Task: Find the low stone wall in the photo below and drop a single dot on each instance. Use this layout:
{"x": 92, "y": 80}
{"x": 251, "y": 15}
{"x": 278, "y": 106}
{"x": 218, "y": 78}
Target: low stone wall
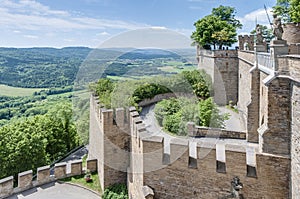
{"x": 198, "y": 131}
{"x": 25, "y": 180}
{"x": 160, "y": 97}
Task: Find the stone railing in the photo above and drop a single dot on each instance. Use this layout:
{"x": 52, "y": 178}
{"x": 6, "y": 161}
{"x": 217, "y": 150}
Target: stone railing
{"x": 198, "y": 131}
{"x": 25, "y": 179}
{"x": 265, "y": 60}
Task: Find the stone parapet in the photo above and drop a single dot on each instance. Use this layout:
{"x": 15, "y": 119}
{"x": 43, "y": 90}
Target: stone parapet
{"x": 43, "y": 174}
{"x": 91, "y": 165}
{"x": 60, "y": 170}
{"x": 6, "y": 186}
{"x": 25, "y": 179}
{"x": 76, "y": 167}
{"x": 197, "y": 131}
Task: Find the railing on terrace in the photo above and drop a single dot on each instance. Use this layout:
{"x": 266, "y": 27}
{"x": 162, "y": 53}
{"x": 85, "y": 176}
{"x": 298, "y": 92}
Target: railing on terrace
{"x": 264, "y": 59}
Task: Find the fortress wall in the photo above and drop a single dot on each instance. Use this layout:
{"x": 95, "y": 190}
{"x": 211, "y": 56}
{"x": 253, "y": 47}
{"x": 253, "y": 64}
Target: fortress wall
{"x": 249, "y": 92}
{"x": 226, "y": 74}
{"x": 290, "y": 63}
{"x": 246, "y": 39}
{"x": 222, "y": 66}
{"x": 276, "y": 140}
{"x": 26, "y": 182}
{"x": 273, "y": 179}
{"x": 253, "y": 107}
{"x": 96, "y": 141}
{"x": 295, "y": 141}
{"x": 109, "y": 143}
{"x": 204, "y": 177}
{"x": 206, "y": 61}
{"x": 244, "y": 91}
{"x": 294, "y": 49}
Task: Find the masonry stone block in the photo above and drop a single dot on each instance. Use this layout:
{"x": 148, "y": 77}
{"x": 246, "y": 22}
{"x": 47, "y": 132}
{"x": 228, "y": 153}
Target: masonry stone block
{"x": 153, "y": 150}
{"x": 120, "y": 117}
{"x": 60, "y": 170}
{"x": 76, "y": 167}
{"x": 6, "y": 186}
{"x": 43, "y": 174}
{"x": 179, "y": 150}
{"x": 25, "y": 179}
{"x": 92, "y": 165}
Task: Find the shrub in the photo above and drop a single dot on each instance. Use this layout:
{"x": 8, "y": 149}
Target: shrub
{"x": 116, "y": 191}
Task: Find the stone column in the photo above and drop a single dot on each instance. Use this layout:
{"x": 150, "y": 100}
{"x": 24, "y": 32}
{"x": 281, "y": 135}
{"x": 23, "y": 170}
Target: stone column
{"x": 260, "y": 47}
{"x": 277, "y": 48}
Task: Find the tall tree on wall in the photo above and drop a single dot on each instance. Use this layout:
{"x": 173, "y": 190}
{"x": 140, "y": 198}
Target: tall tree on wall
{"x": 266, "y": 33}
{"x": 288, "y": 10}
{"x": 218, "y": 29}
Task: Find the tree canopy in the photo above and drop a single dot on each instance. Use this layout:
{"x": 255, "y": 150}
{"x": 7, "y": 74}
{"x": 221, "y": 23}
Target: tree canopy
{"x": 266, "y": 33}
{"x": 217, "y": 29}
{"x": 288, "y": 10}
{"x": 32, "y": 142}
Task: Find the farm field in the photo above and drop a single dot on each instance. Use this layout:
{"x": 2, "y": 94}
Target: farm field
{"x": 17, "y": 91}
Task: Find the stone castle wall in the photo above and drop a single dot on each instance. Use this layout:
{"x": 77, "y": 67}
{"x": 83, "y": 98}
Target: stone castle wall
{"x": 246, "y": 42}
{"x": 25, "y": 179}
{"x": 295, "y": 140}
{"x": 222, "y": 66}
{"x": 183, "y": 175}
{"x": 109, "y": 143}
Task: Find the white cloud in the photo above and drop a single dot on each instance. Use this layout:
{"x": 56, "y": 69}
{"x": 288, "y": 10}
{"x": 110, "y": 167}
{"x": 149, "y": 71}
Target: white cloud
{"x": 69, "y": 40}
{"x": 103, "y": 34}
{"x": 158, "y": 28}
{"x": 31, "y": 36}
{"x": 249, "y": 20}
{"x": 32, "y": 15}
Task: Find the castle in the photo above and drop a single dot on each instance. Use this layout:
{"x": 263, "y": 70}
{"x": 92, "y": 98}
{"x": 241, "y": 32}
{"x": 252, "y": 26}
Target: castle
{"x": 261, "y": 162}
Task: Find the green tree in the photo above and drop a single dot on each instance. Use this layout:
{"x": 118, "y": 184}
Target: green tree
{"x": 22, "y": 147}
{"x": 173, "y": 114}
{"x": 32, "y": 142}
{"x": 103, "y": 89}
{"x": 217, "y": 29}
{"x": 282, "y": 8}
{"x": 200, "y": 82}
{"x": 288, "y": 10}
{"x": 209, "y": 114}
{"x": 227, "y": 13}
{"x": 266, "y": 33}
{"x": 295, "y": 10}
{"x": 166, "y": 107}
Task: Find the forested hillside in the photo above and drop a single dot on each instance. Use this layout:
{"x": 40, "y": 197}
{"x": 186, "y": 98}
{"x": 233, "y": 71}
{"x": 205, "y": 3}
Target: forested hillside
{"x": 50, "y": 67}
{"x": 40, "y": 67}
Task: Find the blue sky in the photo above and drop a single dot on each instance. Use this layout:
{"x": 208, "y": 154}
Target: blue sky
{"x": 59, "y": 23}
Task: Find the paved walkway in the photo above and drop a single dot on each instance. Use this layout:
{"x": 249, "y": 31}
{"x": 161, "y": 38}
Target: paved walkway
{"x": 148, "y": 117}
{"x": 56, "y": 190}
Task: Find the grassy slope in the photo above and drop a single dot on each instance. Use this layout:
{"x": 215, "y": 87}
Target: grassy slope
{"x": 16, "y": 91}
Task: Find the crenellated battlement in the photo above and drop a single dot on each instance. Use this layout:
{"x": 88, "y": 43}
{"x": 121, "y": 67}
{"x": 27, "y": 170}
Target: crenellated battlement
{"x": 246, "y": 42}
{"x": 25, "y": 179}
{"x": 204, "y": 162}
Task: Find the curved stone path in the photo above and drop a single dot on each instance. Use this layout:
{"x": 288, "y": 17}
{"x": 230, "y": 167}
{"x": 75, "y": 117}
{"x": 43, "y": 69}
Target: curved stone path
{"x": 56, "y": 190}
